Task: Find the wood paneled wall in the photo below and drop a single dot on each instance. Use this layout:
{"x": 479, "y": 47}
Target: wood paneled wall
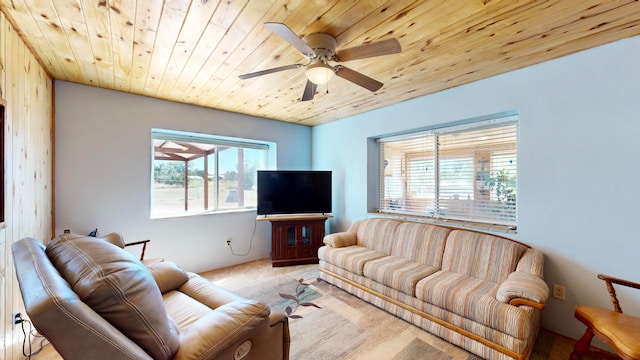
{"x": 26, "y": 91}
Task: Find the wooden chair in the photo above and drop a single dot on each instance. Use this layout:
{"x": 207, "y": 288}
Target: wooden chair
{"x": 620, "y": 331}
{"x": 116, "y": 239}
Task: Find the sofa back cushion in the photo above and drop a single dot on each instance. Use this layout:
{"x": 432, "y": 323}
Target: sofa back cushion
{"x": 376, "y": 233}
{"x": 483, "y": 256}
{"x": 420, "y": 242}
{"x": 119, "y": 288}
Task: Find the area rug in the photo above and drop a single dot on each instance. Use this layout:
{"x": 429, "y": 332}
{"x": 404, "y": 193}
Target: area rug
{"x": 329, "y": 323}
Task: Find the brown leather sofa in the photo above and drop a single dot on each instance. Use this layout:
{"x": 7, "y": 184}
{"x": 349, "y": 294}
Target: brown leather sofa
{"x": 93, "y": 300}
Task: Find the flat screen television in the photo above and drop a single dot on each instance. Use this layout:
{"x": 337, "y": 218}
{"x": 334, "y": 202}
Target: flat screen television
{"x": 294, "y": 192}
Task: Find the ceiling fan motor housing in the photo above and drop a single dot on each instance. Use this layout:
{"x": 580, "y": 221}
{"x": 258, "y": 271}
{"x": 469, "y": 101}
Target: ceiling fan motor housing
{"x": 324, "y": 45}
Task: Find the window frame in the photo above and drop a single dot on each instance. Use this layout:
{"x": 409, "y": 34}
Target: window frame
{"x": 473, "y": 215}
{"x": 209, "y": 145}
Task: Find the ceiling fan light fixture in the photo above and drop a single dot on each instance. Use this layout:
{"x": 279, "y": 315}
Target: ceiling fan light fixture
{"x": 319, "y": 73}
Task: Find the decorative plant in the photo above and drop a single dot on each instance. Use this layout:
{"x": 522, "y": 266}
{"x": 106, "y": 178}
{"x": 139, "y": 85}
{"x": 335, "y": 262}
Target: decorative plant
{"x": 504, "y": 186}
{"x": 300, "y": 290}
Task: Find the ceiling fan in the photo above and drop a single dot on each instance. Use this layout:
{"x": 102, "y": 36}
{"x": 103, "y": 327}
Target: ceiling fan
{"x": 319, "y": 49}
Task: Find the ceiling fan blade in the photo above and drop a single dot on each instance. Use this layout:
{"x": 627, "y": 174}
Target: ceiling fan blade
{"x": 378, "y": 48}
{"x": 358, "y": 78}
{"x": 288, "y": 35}
{"x": 309, "y": 91}
{"x": 269, "y": 71}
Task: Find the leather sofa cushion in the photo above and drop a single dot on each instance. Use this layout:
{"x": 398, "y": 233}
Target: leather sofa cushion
{"x": 115, "y": 238}
{"x": 119, "y": 288}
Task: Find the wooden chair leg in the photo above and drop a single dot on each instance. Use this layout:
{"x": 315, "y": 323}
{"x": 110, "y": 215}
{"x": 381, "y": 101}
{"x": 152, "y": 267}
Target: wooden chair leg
{"x": 582, "y": 346}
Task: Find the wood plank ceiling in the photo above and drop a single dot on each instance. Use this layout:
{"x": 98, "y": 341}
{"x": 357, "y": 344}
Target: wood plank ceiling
{"x": 193, "y": 51}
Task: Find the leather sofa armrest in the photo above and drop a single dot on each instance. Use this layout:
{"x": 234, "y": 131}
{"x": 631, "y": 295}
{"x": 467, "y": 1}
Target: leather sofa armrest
{"x": 168, "y": 275}
{"x": 206, "y": 292}
{"x": 340, "y": 239}
{"x": 228, "y": 326}
{"x": 523, "y": 288}
{"x": 281, "y": 321}
{"x": 277, "y": 317}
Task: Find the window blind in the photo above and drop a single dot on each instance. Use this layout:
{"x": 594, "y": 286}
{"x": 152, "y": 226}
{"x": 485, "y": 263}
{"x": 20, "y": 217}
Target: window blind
{"x": 465, "y": 172}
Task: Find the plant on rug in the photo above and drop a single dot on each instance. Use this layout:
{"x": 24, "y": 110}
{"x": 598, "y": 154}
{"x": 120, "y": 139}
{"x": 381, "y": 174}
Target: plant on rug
{"x": 300, "y": 289}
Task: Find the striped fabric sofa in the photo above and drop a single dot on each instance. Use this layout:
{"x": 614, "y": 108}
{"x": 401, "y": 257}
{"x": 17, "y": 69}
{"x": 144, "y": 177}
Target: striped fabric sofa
{"x": 482, "y": 292}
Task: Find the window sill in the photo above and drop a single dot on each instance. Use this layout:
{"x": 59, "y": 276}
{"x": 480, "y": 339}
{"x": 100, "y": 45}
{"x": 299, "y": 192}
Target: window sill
{"x": 469, "y": 225}
{"x": 211, "y": 212}
{"x": 3, "y": 225}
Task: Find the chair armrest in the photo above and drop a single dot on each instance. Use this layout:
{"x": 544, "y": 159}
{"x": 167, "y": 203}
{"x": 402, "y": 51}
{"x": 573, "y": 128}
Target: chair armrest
{"x": 522, "y": 288}
{"x": 141, "y": 242}
{"x": 227, "y": 326}
{"x": 609, "y": 281}
{"x": 206, "y": 292}
{"x": 137, "y": 242}
{"x": 340, "y": 239}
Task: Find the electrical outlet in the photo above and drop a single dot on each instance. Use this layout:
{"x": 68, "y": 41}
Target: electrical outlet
{"x": 229, "y": 242}
{"x": 17, "y": 319}
{"x": 558, "y": 292}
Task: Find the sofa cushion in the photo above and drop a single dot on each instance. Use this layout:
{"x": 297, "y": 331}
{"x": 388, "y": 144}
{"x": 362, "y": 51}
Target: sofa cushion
{"x": 350, "y": 258}
{"x": 474, "y": 299}
{"x": 532, "y": 262}
{"x": 376, "y": 234}
{"x": 119, "y": 288}
{"x": 484, "y": 256}
{"x": 420, "y": 242}
{"x": 397, "y": 273}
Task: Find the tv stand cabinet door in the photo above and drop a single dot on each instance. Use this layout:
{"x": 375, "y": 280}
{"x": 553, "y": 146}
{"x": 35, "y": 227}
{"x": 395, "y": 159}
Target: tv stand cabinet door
{"x": 296, "y": 241}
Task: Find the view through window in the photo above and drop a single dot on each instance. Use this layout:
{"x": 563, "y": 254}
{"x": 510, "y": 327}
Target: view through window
{"x": 196, "y": 173}
{"x": 464, "y": 172}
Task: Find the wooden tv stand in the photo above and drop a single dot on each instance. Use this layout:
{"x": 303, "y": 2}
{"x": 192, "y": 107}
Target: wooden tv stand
{"x": 295, "y": 239}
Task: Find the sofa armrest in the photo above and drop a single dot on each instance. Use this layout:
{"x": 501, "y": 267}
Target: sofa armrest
{"x": 168, "y": 275}
{"x": 340, "y": 239}
{"x": 206, "y": 292}
{"x": 523, "y": 288}
{"x": 228, "y": 326}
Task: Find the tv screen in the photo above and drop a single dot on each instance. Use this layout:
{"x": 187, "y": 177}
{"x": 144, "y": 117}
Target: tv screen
{"x": 294, "y": 192}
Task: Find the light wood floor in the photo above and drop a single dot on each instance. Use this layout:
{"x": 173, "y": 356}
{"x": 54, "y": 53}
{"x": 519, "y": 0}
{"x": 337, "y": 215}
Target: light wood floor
{"x": 562, "y": 346}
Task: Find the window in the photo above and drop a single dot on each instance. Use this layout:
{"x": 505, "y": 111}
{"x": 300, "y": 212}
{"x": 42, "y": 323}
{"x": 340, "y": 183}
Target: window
{"x": 196, "y": 173}
{"x": 465, "y": 172}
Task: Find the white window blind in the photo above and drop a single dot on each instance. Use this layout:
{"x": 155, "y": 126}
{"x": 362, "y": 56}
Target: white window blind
{"x": 466, "y": 172}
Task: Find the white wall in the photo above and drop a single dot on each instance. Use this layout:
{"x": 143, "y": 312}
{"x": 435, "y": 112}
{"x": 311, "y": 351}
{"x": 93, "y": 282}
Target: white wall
{"x": 103, "y": 164}
{"x": 578, "y": 158}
